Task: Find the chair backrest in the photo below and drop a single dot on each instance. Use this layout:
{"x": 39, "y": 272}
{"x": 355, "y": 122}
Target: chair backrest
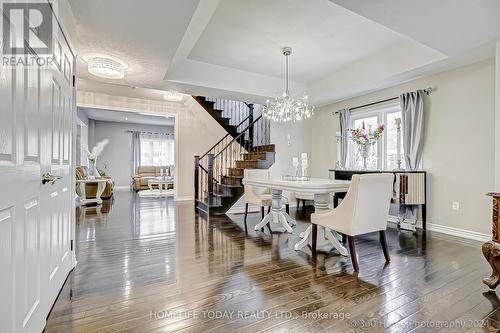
{"x": 255, "y": 174}
{"x": 81, "y": 172}
{"x": 145, "y": 170}
{"x": 370, "y": 198}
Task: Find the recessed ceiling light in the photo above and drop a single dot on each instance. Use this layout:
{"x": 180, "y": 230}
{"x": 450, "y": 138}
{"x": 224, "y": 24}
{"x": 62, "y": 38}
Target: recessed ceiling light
{"x": 172, "y": 96}
{"x": 106, "y": 68}
{"x": 126, "y": 118}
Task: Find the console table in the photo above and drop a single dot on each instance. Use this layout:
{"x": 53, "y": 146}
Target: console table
{"x": 410, "y": 187}
{"x": 101, "y": 184}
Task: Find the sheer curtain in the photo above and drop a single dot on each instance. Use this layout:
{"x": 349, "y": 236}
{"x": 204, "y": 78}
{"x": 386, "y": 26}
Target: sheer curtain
{"x": 157, "y": 149}
{"x": 136, "y": 152}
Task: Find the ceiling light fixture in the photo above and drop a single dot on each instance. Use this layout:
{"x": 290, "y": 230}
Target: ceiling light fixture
{"x": 155, "y": 114}
{"x": 172, "y": 96}
{"x": 106, "y": 68}
{"x": 284, "y": 108}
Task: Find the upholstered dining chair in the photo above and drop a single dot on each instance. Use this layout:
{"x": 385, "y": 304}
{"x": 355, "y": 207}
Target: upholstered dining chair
{"x": 259, "y": 196}
{"x": 364, "y": 209}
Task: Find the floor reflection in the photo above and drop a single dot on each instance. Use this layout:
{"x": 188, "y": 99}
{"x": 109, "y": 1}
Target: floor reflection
{"x": 138, "y": 256}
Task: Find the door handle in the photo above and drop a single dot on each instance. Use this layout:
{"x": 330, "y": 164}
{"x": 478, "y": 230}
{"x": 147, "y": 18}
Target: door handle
{"x": 48, "y": 178}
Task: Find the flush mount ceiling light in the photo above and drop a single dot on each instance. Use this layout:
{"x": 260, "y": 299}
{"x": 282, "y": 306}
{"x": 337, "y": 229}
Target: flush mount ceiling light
{"x": 172, "y": 96}
{"x": 284, "y": 108}
{"x": 106, "y": 68}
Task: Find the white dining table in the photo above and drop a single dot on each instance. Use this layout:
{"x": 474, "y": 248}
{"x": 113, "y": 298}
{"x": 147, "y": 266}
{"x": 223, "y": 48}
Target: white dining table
{"x": 320, "y": 188}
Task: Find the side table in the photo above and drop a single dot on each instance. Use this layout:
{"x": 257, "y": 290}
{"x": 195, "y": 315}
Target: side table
{"x": 491, "y": 249}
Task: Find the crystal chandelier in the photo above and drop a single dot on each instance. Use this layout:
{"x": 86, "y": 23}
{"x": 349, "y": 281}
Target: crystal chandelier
{"x": 284, "y": 108}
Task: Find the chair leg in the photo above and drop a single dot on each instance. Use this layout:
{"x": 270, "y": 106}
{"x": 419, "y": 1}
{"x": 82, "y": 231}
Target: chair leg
{"x": 383, "y": 242}
{"x": 344, "y": 238}
{"x": 352, "y": 250}
{"x": 314, "y": 236}
{"x": 246, "y": 214}
{"x": 269, "y": 209}
{"x": 262, "y": 214}
{"x": 287, "y": 209}
{"x": 304, "y": 205}
{"x": 298, "y": 204}
{"x": 269, "y": 227}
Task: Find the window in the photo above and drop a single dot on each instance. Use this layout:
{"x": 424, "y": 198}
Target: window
{"x": 384, "y": 154}
{"x": 157, "y": 149}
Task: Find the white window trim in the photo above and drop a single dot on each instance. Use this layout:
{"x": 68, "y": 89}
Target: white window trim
{"x": 381, "y": 111}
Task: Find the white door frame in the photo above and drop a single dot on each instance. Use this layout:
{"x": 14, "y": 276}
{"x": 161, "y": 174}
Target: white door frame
{"x": 176, "y": 134}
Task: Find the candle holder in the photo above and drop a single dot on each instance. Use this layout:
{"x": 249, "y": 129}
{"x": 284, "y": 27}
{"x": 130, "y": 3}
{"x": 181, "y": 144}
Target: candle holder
{"x": 398, "y": 144}
{"x": 295, "y": 164}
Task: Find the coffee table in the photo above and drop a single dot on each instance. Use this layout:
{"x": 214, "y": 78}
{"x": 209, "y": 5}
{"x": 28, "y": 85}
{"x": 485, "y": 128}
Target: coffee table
{"x": 161, "y": 182}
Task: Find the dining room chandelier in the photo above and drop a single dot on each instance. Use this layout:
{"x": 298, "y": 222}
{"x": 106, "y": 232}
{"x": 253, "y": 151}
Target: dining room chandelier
{"x": 284, "y": 108}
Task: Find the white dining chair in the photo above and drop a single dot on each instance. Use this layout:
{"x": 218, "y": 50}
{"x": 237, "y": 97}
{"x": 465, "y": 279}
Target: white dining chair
{"x": 259, "y": 196}
{"x": 364, "y": 209}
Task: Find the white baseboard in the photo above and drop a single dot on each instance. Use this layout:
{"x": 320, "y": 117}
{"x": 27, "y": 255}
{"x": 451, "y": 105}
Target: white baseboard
{"x": 184, "y": 198}
{"x": 121, "y": 188}
{"x": 459, "y": 232}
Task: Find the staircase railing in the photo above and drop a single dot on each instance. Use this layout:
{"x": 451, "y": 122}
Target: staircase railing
{"x": 236, "y": 111}
{"x": 218, "y": 162}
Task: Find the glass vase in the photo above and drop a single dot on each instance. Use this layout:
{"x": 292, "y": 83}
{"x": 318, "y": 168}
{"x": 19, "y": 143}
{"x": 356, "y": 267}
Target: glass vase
{"x": 364, "y": 152}
{"x": 93, "y": 173}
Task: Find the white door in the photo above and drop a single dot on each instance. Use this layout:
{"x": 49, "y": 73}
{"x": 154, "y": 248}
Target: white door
{"x": 36, "y": 220}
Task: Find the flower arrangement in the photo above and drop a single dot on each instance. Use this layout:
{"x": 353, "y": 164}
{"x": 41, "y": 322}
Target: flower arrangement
{"x": 364, "y": 138}
{"x": 104, "y": 171}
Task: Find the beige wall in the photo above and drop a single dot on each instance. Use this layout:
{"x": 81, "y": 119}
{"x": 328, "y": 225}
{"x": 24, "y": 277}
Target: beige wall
{"x": 300, "y": 142}
{"x": 458, "y": 145}
{"x": 196, "y": 131}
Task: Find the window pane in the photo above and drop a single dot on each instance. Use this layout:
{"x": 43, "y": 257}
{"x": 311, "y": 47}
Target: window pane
{"x": 157, "y": 150}
{"x": 391, "y": 146}
{"x": 357, "y": 160}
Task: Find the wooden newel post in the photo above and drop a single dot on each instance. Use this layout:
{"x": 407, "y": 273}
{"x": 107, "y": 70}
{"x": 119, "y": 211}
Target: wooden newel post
{"x": 491, "y": 249}
{"x": 250, "y": 120}
{"x": 210, "y": 169}
{"x": 196, "y": 177}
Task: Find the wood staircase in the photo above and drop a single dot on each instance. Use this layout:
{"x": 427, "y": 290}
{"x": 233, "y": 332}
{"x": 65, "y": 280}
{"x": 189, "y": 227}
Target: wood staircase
{"x": 219, "y": 172}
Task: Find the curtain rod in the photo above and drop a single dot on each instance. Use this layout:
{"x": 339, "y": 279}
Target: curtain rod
{"x": 129, "y": 131}
{"x": 426, "y": 90}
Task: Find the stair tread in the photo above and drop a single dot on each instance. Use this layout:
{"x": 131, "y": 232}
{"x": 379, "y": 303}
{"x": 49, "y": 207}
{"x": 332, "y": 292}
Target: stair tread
{"x": 231, "y": 186}
{"x": 222, "y": 195}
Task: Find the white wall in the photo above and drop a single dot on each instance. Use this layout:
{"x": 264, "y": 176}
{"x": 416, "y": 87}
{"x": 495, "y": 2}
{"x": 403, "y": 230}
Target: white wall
{"x": 497, "y": 118}
{"x": 458, "y": 145}
{"x": 300, "y": 142}
{"x": 197, "y": 131}
{"x": 118, "y": 152}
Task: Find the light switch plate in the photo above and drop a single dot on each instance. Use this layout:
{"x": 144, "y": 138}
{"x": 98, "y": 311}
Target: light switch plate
{"x": 455, "y": 205}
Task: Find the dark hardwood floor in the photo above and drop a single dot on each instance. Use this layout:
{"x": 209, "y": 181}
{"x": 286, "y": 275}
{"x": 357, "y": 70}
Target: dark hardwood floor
{"x": 149, "y": 265}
